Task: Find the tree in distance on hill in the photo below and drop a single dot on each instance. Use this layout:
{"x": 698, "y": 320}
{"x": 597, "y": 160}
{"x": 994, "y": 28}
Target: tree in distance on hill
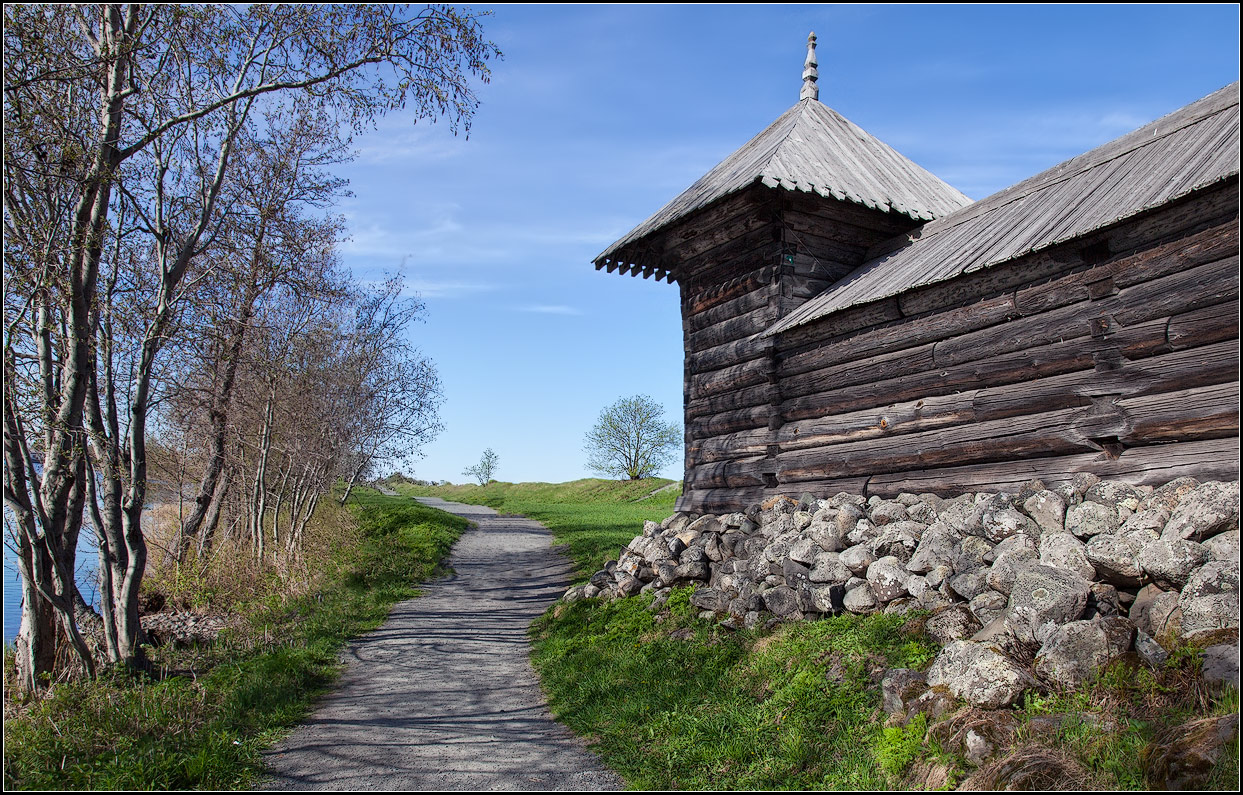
{"x": 484, "y": 470}
{"x": 632, "y": 439}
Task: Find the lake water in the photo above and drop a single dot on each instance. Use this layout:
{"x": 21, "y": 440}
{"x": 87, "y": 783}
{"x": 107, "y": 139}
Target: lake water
{"x": 87, "y": 561}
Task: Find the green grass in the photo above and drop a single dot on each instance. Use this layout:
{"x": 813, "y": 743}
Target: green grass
{"x": 594, "y": 518}
{"x": 685, "y": 704}
{"x": 206, "y": 731}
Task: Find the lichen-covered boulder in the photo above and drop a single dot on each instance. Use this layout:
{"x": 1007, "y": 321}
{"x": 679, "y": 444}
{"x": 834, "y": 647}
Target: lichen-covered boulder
{"x": 1170, "y": 561}
{"x": 1209, "y": 509}
{"x": 887, "y": 576}
{"x": 1074, "y": 653}
{"x": 979, "y": 674}
{"x": 1043, "y": 598}
{"x": 1065, "y": 551}
{"x": 953, "y": 623}
{"x": 1048, "y": 510}
{"x": 1210, "y": 599}
{"x": 1089, "y": 519}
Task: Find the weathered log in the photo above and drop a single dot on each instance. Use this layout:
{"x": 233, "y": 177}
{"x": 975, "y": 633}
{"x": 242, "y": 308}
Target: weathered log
{"x": 1208, "y": 245}
{"x": 1185, "y": 369}
{"x": 730, "y": 421}
{"x": 1203, "y": 326}
{"x": 1080, "y": 353}
{"x": 1213, "y": 459}
{"x": 743, "y": 444}
{"x": 735, "y": 328}
{"x": 741, "y": 473}
{"x": 729, "y": 353}
{"x": 899, "y": 336}
{"x": 729, "y": 379}
{"x": 762, "y": 395}
{"x": 757, "y": 299}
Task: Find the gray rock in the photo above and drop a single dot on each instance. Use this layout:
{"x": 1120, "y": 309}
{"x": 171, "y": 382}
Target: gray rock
{"x": 1149, "y": 650}
{"x": 1169, "y": 495}
{"x": 1113, "y": 558}
{"x": 953, "y": 623}
{"x": 1156, "y": 612}
{"x": 1075, "y": 652}
{"x": 1002, "y": 524}
{"x": 936, "y": 547}
{"x": 1089, "y": 519}
{"x": 979, "y": 674}
{"x": 886, "y": 511}
{"x": 782, "y": 601}
{"x": 794, "y": 572}
{"x": 1114, "y": 493}
{"x": 970, "y": 585}
{"x": 1210, "y": 599}
{"x": 860, "y": 600}
{"x": 1209, "y": 509}
{"x": 988, "y": 606}
{"x": 629, "y": 586}
{"x": 712, "y": 599}
{"x": 887, "y": 576}
{"x": 1224, "y": 546}
{"x": 857, "y": 559}
{"x": 899, "y": 688}
{"x": 1066, "y": 551}
{"x": 1044, "y": 598}
{"x": 1220, "y": 667}
{"x": 1048, "y": 510}
{"x": 1170, "y": 561}
{"x": 828, "y": 567}
{"x": 828, "y": 598}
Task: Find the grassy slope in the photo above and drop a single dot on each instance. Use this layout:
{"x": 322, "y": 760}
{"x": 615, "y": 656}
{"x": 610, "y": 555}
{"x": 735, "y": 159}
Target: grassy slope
{"x": 593, "y": 518}
{"x": 674, "y": 702}
{"x": 206, "y": 731}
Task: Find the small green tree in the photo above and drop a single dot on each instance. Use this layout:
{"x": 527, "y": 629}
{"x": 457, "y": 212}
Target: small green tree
{"x": 484, "y": 470}
{"x": 632, "y": 439}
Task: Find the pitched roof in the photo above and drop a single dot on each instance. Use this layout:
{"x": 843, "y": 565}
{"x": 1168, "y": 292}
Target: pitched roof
{"x": 1189, "y": 149}
{"x": 811, "y": 148}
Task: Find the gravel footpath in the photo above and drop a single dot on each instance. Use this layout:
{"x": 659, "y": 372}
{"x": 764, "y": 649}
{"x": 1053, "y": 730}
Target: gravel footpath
{"x": 443, "y": 696}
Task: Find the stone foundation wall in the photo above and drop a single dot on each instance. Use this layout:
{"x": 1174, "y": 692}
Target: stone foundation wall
{"x": 1039, "y": 587}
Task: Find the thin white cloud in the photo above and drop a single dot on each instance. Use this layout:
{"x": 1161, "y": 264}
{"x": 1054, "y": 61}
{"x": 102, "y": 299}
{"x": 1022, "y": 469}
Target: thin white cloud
{"x": 549, "y": 309}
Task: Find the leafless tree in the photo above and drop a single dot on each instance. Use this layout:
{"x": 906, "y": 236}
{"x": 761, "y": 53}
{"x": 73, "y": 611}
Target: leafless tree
{"x": 123, "y": 124}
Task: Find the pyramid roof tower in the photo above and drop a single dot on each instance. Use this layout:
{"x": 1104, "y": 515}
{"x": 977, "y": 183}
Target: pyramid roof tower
{"x": 810, "y": 148}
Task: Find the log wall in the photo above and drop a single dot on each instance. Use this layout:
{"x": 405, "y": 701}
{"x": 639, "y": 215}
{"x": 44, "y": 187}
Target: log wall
{"x": 1115, "y": 354}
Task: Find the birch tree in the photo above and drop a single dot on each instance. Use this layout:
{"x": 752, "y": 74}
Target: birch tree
{"x": 122, "y": 127}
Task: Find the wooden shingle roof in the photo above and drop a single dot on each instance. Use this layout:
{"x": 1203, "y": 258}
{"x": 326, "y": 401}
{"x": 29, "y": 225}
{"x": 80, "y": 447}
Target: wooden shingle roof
{"x": 810, "y": 148}
{"x": 1189, "y": 149}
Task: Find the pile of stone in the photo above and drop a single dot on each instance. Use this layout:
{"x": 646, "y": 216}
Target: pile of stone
{"x": 1048, "y": 582}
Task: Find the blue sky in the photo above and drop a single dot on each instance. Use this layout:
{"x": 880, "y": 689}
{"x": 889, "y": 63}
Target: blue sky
{"x": 598, "y": 115}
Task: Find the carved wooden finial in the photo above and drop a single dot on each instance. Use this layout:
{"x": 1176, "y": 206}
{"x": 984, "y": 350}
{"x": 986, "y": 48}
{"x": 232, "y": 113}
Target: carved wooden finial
{"x": 810, "y": 73}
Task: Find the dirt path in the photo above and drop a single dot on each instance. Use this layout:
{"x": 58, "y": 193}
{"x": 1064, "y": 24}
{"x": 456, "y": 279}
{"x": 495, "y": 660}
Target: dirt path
{"x": 442, "y": 696}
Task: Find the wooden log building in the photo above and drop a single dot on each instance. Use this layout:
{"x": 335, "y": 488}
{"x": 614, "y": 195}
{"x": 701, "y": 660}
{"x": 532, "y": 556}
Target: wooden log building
{"x": 852, "y": 323}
